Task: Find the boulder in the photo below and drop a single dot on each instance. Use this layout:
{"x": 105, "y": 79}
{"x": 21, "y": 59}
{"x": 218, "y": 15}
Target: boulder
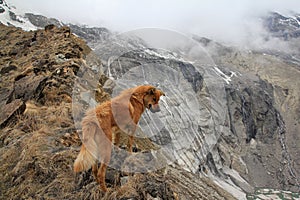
{"x": 6, "y": 95}
{"x": 30, "y": 87}
{"x": 2, "y": 10}
{"x": 109, "y": 86}
{"x": 8, "y": 68}
{"x": 9, "y": 111}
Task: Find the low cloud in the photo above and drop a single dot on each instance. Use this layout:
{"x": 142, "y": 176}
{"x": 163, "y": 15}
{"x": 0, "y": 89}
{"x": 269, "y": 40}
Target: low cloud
{"x": 232, "y": 21}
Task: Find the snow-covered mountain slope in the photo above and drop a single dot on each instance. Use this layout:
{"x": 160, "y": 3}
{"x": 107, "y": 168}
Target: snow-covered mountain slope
{"x": 283, "y": 26}
{"x": 10, "y": 16}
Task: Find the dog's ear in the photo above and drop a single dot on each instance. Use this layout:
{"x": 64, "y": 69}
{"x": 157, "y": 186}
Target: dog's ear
{"x": 162, "y": 93}
{"x": 151, "y": 91}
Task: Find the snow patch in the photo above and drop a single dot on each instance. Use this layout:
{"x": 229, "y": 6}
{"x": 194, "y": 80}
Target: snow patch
{"x": 168, "y": 55}
{"x": 225, "y": 77}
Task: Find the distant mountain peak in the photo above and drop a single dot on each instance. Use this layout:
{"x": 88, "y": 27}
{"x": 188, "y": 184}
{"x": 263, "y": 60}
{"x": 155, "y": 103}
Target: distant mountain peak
{"x": 283, "y": 26}
{"x": 10, "y": 16}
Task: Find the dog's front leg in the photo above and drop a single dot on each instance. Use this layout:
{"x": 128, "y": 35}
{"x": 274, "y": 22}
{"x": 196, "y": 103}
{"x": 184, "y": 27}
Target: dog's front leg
{"x": 130, "y": 142}
{"x": 132, "y": 129}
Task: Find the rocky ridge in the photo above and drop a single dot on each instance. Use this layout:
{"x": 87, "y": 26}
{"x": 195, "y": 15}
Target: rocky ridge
{"x": 10, "y": 16}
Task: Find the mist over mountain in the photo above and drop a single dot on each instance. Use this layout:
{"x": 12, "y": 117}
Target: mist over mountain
{"x": 239, "y": 23}
{"x": 230, "y": 21}
{"x": 228, "y": 126}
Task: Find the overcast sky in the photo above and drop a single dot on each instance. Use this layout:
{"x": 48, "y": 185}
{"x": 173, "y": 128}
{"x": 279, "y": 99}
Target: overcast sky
{"x": 216, "y": 19}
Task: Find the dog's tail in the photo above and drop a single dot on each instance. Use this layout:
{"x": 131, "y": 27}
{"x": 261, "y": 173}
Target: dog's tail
{"x": 89, "y": 150}
{"x": 84, "y": 160}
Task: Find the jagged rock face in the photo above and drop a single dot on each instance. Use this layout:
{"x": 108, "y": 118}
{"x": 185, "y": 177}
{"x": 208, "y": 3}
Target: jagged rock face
{"x": 42, "y": 21}
{"x": 255, "y": 109}
{"x": 256, "y": 127}
{"x": 89, "y": 34}
{"x": 29, "y": 21}
{"x": 283, "y": 27}
{"x": 274, "y": 160}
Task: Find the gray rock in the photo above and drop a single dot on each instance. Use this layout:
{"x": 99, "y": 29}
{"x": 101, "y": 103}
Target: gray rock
{"x": 2, "y": 10}
{"x": 6, "y": 95}
{"x": 9, "y": 111}
{"x": 14, "y": 17}
{"x": 124, "y": 180}
{"x": 109, "y": 86}
{"x": 29, "y": 87}
{"x": 8, "y": 68}
{"x": 41, "y": 21}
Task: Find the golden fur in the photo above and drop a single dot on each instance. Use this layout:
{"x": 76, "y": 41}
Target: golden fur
{"x": 122, "y": 112}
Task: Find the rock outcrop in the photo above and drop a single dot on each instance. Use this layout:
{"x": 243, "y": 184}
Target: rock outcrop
{"x": 282, "y": 26}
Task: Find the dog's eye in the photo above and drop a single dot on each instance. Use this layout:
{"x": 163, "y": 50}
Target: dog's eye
{"x": 154, "y": 99}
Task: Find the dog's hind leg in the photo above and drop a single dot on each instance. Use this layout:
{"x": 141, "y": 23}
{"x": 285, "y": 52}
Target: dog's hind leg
{"x": 105, "y": 146}
{"x": 117, "y": 138}
{"x": 101, "y": 175}
{"x": 95, "y": 170}
{"x": 102, "y": 169}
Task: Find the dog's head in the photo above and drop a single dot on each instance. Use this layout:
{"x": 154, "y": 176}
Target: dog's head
{"x": 151, "y": 99}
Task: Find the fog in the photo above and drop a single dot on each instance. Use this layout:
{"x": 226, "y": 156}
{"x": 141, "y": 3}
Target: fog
{"x": 234, "y": 21}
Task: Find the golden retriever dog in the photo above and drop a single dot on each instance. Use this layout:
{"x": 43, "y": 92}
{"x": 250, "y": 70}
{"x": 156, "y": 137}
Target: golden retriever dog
{"x": 120, "y": 113}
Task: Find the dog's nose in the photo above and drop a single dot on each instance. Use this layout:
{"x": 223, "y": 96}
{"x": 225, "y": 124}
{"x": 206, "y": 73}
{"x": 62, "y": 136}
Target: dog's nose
{"x": 155, "y": 108}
